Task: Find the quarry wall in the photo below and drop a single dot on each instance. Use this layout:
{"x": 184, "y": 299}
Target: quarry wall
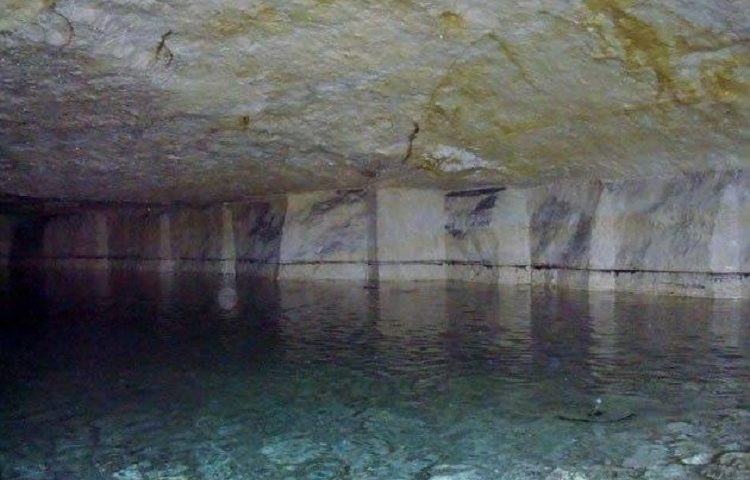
{"x": 684, "y": 235}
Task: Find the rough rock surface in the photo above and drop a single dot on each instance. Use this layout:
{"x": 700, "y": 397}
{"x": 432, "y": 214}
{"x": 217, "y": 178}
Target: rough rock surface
{"x": 7, "y": 227}
{"x": 325, "y": 226}
{"x": 488, "y": 227}
{"x": 136, "y": 234}
{"x": 325, "y": 235}
{"x": 686, "y": 235}
{"x": 81, "y": 235}
{"x": 257, "y": 230}
{"x": 196, "y": 234}
{"x": 217, "y": 100}
{"x": 410, "y": 234}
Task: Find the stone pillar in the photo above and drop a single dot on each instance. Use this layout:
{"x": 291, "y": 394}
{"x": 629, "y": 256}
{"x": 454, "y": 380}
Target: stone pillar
{"x": 410, "y": 234}
{"x": 605, "y": 241}
{"x": 728, "y": 239}
{"x": 102, "y": 280}
{"x": 512, "y": 223}
{"x": 101, "y": 233}
{"x": 228, "y": 249}
{"x": 372, "y": 237}
{"x": 7, "y": 226}
{"x": 166, "y": 263}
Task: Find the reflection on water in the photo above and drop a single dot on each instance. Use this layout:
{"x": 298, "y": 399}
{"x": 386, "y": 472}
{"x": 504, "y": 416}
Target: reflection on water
{"x": 146, "y": 376}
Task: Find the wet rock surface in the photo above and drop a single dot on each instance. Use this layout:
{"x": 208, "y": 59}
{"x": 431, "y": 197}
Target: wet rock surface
{"x": 217, "y": 100}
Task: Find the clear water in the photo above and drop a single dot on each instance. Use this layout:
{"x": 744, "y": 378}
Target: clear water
{"x": 148, "y": 376}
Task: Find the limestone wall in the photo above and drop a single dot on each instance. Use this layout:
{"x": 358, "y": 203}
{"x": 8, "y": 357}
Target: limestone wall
{"x": 686, "y": 225}
{"x": 487, "y": 236}
{"x": 154, "y": 238}
{"x": 561, "y": 218}
{"x": 325, "y": 236}
{"x": 135, "y": 234}
{"x": 684, "y": 235}
{"x": 81, "y": 238}
{"x": 7, "y": 226}
{"x": 410, "y": 234}
{"x": 256, "y": 228}
{"x": 195, "y": 234}
{"x": 688, "y": 234}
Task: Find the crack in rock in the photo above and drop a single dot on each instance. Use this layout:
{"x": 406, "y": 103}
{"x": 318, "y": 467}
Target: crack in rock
{"x": 410, "y": 147}
{"x": 163, "y": 48}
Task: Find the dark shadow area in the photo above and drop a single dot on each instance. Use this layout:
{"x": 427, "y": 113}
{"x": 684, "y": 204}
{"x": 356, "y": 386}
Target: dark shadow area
{"x": 28, "y": 239}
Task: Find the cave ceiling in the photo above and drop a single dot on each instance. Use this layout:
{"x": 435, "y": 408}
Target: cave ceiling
{"x": 223, "y": 100}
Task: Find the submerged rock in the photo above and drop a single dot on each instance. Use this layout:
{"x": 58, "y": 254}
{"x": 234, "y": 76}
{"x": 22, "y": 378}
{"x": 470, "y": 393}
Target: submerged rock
{"x": 562, "y": 474}
{"x": 455, "y": 472}
{"x": 702, "y": 458}
{"x": 324, "y": 468}
{"x": 147, "y": 471}
{"x": 293, "y": 450}
{"x": 669, "y": 472}
{"x": 131, "y": 472}
{"x": 646, "y": 456}
{"x": 693, "y": 452}
{"x": 681, "y": 428}
{"x": 729, "y": 466}
{"x": 216, "y": 463}
{"x": 363, "y": 451}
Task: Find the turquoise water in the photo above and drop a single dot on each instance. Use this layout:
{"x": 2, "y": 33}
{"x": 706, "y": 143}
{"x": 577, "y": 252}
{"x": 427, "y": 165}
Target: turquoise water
{"x": 148, "y": 376}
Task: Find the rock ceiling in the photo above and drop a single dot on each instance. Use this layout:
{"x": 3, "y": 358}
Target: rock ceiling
{"x": 204, "y": 100}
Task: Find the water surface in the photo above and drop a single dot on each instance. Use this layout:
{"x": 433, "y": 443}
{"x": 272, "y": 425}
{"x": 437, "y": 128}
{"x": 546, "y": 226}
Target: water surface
{"x": 149, "y": 376}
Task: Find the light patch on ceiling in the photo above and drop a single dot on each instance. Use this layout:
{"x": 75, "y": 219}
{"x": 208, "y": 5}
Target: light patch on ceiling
{"x": 454, "y": 159}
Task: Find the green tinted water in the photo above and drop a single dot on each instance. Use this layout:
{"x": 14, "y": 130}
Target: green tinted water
{"x": 142, "y": 376}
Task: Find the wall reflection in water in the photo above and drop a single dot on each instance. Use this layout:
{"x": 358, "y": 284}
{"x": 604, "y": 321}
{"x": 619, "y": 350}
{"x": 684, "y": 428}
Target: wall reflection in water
{"x": 418, "y": 338}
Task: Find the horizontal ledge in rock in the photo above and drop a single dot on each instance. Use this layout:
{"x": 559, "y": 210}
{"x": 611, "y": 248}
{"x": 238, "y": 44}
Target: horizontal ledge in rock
{"x": 620, "y": 271}
{"x": 474, "y": 193}
{"x": 615, "y": 271}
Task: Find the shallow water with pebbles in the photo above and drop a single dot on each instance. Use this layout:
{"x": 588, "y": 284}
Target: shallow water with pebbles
{"x": 148, "y": 376}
